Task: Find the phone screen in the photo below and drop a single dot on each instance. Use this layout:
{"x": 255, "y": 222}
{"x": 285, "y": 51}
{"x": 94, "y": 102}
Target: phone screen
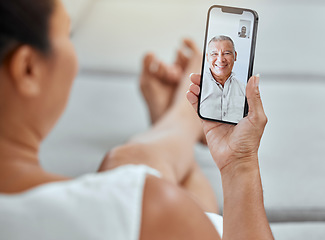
{"x": 227, "y": 63}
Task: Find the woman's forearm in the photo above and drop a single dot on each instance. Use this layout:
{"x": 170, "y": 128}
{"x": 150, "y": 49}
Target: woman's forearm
{"x": 244, "y": 212}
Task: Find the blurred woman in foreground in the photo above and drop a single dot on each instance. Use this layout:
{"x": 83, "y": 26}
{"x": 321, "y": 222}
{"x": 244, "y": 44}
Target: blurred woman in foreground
{"x": 149, "y": 188}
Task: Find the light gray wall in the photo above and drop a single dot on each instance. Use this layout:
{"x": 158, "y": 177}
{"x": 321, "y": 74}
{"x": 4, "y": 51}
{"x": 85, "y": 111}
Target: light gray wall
{"x": 114, "y": 34}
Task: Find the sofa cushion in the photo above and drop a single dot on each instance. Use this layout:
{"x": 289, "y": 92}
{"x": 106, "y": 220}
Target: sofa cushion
{"x": 298, "y": 231}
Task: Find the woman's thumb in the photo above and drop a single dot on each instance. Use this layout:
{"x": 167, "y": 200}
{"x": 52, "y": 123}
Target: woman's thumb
{"x": 254, "y": 99}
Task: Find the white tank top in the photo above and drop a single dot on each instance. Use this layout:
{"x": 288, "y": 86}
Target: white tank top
{"x": 93, "y": 207}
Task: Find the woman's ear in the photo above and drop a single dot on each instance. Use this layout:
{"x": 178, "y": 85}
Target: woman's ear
{"x": 26, "y": 70}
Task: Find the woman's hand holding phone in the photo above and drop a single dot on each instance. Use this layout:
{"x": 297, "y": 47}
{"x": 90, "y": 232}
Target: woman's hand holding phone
{"x": 231, "y": 145}
{"x": 234, "y": 148}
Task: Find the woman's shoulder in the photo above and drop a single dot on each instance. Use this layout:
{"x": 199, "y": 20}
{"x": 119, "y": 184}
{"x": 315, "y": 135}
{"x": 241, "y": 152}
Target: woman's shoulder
{"x": 79, "y": 208}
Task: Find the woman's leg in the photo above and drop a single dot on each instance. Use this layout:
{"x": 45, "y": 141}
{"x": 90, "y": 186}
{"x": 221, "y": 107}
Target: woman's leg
{"x": 168, "y": 145}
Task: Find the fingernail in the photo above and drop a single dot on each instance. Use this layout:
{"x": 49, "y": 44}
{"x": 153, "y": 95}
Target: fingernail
{"x": 257, "y": 80}
{"x": 191, "y": 75}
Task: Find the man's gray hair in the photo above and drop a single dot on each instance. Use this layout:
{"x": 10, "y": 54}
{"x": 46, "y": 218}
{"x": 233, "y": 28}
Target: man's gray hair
{"x": 222, "y": 38}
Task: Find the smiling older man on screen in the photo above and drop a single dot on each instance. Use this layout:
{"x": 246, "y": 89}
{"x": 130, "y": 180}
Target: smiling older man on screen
{"x": 223, "y": 96}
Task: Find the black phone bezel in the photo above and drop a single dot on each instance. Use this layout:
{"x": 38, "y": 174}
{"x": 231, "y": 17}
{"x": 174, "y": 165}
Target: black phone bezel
{"x": 233, "y": 10}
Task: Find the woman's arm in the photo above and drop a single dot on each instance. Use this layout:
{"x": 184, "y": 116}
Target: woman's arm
{"x": 244, "y": 213}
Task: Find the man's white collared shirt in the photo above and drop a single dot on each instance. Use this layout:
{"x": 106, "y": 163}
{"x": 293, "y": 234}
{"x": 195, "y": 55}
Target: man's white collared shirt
{"x": 222, "y": 103}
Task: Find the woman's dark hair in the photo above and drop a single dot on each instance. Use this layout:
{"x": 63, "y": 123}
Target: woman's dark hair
{"x": 24, "y": 22}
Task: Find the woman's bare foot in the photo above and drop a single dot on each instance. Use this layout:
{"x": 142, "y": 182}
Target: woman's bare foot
{"x": 159, "y": 82}
{"x": 156, "y": 88}
{"x": 165, "y": 85}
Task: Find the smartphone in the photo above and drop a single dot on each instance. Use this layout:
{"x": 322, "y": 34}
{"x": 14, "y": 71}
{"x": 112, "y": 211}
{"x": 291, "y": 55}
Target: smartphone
{"x": 228, "y": 57}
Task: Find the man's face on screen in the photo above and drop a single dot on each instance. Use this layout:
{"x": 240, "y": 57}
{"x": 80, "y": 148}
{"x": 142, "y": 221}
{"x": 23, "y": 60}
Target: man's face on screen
{"x": 221, "y": 57}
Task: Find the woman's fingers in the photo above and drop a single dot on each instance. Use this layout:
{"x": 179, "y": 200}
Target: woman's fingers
{"x": 195, "y": 78}
{"x": 194, "y": 90}
{"x": 192, "y": 98}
